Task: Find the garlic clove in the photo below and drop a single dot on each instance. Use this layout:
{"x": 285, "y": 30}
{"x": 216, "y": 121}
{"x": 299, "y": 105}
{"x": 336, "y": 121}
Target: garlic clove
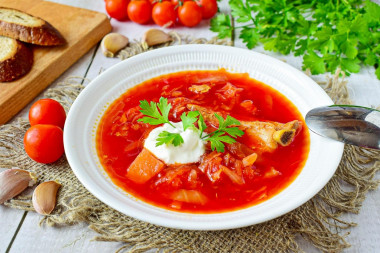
{"x": 113, "y": 43}
{"x": 154, "y": 37}
{"x": 45, "y": 197}
{"x": 13, "y": 182}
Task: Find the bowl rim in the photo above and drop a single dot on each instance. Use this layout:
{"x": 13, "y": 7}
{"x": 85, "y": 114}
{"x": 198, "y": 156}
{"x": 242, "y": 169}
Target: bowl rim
{"x": 187, "y": 222}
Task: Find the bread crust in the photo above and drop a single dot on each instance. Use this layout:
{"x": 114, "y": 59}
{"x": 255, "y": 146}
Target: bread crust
{"x": 44, "y": 35}
{"x": 17, "y": 65}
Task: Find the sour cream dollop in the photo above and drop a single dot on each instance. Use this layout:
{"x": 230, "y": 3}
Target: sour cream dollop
{"x": 190, "y": 151}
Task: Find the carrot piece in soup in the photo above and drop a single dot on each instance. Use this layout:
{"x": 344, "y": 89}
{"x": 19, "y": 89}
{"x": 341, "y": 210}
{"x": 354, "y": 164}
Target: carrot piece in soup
{"x": 144, "y": 167}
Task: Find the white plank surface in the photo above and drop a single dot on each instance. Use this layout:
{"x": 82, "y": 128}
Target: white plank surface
{"x": 77, "y": 238}
{"x": 9, "y": 222}
{"x": 365, "y": 236}
{"x": 364, "y": 88}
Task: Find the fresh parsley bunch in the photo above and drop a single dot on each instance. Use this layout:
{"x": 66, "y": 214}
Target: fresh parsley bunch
{"x": 158, "y": 113}
{"x": 327, "y": 33}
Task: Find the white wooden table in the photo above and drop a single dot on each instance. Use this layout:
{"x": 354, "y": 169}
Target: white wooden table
{"x": 19, "y": 230}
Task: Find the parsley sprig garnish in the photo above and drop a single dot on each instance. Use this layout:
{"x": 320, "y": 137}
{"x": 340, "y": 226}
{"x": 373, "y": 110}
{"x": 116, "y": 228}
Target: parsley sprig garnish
{"x": 158, "y": 113}
{"x": 224, "y": 133}
{"x": 327, "y": 33}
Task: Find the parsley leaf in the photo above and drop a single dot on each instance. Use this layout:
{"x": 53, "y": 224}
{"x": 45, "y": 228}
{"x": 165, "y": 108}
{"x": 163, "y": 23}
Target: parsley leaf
{"x": 189, "y": 119}
{"x": 220, "y": 135}
{"x": 240, "y": 11}
{"x": 201, "y": 124}
{"x": 250, "y": 36}
{"x": 377, "y": 72}
{"x": 222, "y": 25}
{"x": 217, "y": 141}
{"x": 314, "y": 62}
{"x": 164, "y": 108}
{"x": 372, "y": 12}
{"x": 352, "y": 65}
{"x": 157, "y": 113}
{"x": 166, "y": 137}
{"x": 223, "y": 124}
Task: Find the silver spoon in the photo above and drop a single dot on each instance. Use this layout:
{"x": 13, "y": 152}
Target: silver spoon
{"x": 354, "y": 125}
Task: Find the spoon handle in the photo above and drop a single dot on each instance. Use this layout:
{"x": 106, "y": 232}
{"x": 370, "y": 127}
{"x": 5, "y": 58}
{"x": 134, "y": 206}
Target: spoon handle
{"x": 356, "y": 125}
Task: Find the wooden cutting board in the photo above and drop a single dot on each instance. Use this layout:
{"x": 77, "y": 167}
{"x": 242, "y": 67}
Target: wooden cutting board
{"x": 82, "y": 30}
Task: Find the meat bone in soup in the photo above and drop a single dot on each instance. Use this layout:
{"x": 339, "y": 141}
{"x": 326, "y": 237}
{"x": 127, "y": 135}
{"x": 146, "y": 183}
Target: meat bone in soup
{"x": 255, "y": 167}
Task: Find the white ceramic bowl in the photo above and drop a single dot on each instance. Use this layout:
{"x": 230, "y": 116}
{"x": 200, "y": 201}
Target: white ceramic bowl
{"x": 88, "y": 108}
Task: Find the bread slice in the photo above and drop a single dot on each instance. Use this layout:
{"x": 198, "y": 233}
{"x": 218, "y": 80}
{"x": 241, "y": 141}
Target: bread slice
{"x": 22, "y": 26}
{"x": 16, "y": 59}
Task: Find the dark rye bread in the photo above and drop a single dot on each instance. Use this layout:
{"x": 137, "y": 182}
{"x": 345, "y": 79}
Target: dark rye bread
{"x": 22, "y": 26}
{"x": 16, "y": 59}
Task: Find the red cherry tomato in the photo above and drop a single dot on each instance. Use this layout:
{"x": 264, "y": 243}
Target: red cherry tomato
{"x": 190, "y": 14}
{"x": 209, "y": 8}
{"x": 47, "y": 111}
{"x": 164, "y": 14}
{"x": 140, "y": 11}
{"x": 44, "y": 143}
{"x": 117, "y": 9}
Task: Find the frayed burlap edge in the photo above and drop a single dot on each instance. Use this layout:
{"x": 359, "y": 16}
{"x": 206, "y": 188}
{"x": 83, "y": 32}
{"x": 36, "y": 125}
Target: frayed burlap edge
{"x": 318, "y": 220}
{"x": 137, "y": 47}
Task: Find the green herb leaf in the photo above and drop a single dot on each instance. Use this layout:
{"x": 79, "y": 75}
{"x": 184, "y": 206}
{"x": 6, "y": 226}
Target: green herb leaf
{"x": 222, "y": 25}
{"x": 230, "y": 121}
{"x": 349, "y": 49}
{"x": 240, "y": 11}
{"x": 166, "y": 137}
{"x": 234, "y": 131}
{"x": 201, "y": 124}
{"x": 217, "y": 140}
{"x": 250, "y": 36}
{"x": 157, "y": 113}
{"x": 221, "y": 120}
{"x": 377, "y": 72}
{"x": 189, "y": 119}
{"x": 314, "y": 62}
{"x": 164, "y": 108}
{"x": 217, "y": 145}
{"x": 372, "y": 11}
{"x": 371, "y": 59}
{"x": 220, "y": 135}
{"x": 352, "y": 65}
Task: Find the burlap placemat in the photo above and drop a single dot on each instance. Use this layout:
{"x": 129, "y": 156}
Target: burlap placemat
{"x": 318, "y": 221}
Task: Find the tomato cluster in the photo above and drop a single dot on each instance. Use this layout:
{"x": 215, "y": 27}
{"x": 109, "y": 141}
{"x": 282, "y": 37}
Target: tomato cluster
{"x": 43, "y": 142}
{"x": 163, "y": 12}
